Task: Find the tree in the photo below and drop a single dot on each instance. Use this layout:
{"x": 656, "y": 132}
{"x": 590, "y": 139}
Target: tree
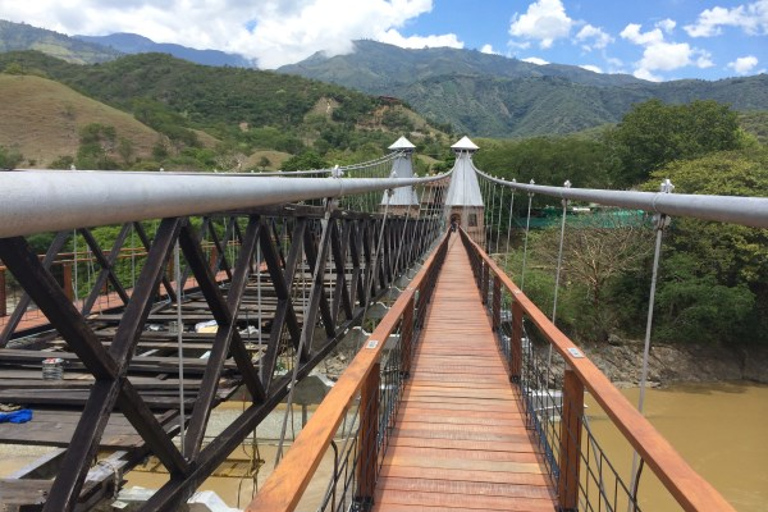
{"x": 307, "y": 160}
{"x": 654, "y": 134}
{"x": 264, "y": 162}
{"x": 10, "y": 158}
{"x": 713, "y": 279}
{"x": 549, "y": 160}
{"x": 597, "y": 252}
{"x": 97, "y": 143}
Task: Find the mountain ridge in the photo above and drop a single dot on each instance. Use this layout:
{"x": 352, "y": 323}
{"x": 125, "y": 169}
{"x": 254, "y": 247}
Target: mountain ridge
{"x": 494, "y": 96}
{"x": 129, "y": 43}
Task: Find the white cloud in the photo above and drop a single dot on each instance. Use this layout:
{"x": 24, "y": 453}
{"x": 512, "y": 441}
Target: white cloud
{"x": 644, "y": 74}
{"x": 666, "y": 56}
{"x": 275, "y": 32}
{"x": 743, "y": 65}
{"x": 667, "y": 25}
{"x": 662, "y": 55}
{"x": 752, "y": 18}
{"x": 535, "y": 60}
{"x": 593, "y": 38}
{"x": 590, "y": 67}
{"x": 545, "y": 21}
{"x": 632, "y": 34}
{"x": 488, "y": 49}
{"x": 394, "y": 37}
{"x": 704, "y": 59}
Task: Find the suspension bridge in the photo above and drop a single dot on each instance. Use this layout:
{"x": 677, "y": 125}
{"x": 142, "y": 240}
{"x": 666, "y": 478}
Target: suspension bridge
{"x": 120, "y": 343}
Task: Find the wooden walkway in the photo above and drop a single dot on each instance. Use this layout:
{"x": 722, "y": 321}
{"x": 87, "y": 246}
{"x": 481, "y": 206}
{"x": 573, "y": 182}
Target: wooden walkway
{"x": 460, "y": 441}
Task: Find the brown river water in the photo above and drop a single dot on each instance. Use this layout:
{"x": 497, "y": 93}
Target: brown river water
{"x": 720, "y": 429}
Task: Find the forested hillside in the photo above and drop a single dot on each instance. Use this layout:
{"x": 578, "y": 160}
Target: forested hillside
{"x": 20, "y": 36}
{"x": 244, "y": 110}
{"x": 712, "y": 280}
{"x": 494, "y": 96}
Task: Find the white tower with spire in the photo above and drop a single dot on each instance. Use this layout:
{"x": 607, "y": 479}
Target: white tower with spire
{"x": 404, "y": 201}
{"x": 463, "y": 202}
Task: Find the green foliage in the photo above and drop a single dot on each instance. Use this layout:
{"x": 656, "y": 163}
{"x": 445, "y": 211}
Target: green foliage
{"x": 161, "y": 118}
{"x": 10, "y": 158}
{"x": 305, "y": 161}
{"x": 264, "y": 162}
{"x": 14, "y": 68}
{"x": 653, "y": 134}
{"x": 551, "y": 161}
{"x": 755, "y": 123}
{"x": 713, "y": 275}
{"x": 63, "y": 162}
{"x": 97, "y": 143}
{"x": 694, "y": 306}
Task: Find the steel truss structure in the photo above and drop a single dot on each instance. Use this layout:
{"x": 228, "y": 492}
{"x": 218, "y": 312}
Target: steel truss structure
{"x": 314, "y": 269}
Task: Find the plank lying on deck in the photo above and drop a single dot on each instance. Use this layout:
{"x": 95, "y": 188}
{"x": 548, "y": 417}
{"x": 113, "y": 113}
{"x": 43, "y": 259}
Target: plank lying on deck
{"x": 460, "y": 441}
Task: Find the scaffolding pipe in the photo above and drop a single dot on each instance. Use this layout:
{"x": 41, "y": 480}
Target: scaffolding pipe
{"x": 43, "y": 201}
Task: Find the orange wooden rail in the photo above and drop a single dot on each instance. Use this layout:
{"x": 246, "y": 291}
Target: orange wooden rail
{"x": 692, "y": 492}
{"x": 286, "y": 485}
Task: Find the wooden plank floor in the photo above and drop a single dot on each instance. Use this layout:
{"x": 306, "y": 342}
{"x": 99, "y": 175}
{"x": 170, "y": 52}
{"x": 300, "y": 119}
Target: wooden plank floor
{"x": 460, "y": 441}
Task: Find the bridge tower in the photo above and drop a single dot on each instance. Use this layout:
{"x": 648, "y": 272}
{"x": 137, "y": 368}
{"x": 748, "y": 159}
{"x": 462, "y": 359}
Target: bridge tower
{"x": 404, "y": 201}
{"x": 464, "y": 202}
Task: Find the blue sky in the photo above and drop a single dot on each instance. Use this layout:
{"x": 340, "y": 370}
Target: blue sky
{"x": 675, "y": 38}
{"x": 652, "y": 39}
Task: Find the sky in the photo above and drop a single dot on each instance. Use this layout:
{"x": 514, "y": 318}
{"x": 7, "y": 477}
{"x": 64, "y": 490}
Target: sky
{"x": 655, "y": 40}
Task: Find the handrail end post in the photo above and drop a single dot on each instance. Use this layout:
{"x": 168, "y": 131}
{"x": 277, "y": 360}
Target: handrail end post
{"x": 570, "y": 442}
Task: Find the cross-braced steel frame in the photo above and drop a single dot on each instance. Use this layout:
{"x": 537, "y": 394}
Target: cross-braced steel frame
{"x": 333, "y": 256}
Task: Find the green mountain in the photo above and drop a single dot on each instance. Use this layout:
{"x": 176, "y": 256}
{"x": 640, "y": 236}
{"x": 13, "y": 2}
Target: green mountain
{"x": 246, "y": 110}
{"x": 133, "y": 43}
{"x": 494, "y": 96}
{"x": 95, "y": 49}
{"x": 20, "y": 36}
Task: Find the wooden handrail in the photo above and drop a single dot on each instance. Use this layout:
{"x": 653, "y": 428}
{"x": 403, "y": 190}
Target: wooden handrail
{"x": 286, "y": 485}
{"x": 690, "y": 490}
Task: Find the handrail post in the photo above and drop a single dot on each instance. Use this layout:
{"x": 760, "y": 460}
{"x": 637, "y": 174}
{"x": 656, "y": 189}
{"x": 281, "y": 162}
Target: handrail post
{"x": 570, "y": 442}
{"x": 484, "y": 275}
{"x": 369, "y": 427}
{"x": 496, "y": 303}
{"x": 406, "y": 338}
{"x": 516, "y": 343}
{"x": 3, "y": 294}
{"x": 67, "y": 281}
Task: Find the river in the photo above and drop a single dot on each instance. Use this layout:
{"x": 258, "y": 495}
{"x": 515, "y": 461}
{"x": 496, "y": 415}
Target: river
{"x": 721, "y": 429}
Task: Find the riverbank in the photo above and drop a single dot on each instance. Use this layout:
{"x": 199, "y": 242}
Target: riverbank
{"x": 622, "y": 361}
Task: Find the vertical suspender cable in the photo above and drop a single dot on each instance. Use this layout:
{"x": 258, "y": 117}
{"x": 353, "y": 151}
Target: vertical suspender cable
{"x": 370, "y": 277}
{"x": 662, "y": 221}
{"x": 498, "y": 221}
{"x": 509, "y": 226}
{"x": 567, "y": 184}
{"x": 557, "y": 272}
{"x": 525, "y": 244}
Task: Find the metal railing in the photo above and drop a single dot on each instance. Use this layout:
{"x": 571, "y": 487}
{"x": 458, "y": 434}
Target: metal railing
{"x": 747, "y": 211}
{"x": 374, "y": 379}
{"x": 65, "y": 200}
{"x": 578, "y": 467}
